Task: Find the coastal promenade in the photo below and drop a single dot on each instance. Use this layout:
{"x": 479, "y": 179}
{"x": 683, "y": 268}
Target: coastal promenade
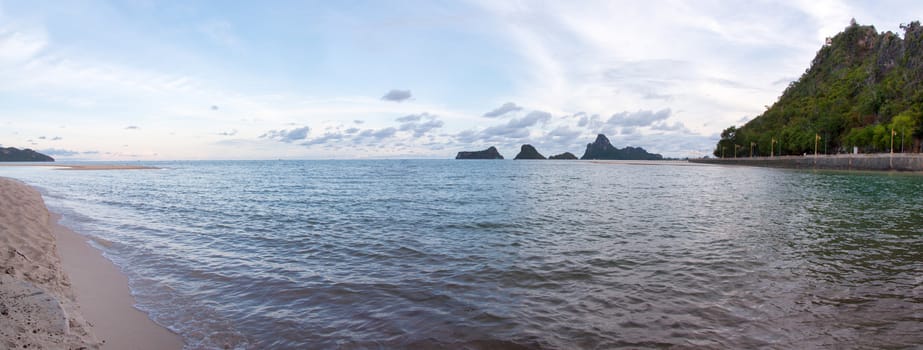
{"x": 872, "y": 162}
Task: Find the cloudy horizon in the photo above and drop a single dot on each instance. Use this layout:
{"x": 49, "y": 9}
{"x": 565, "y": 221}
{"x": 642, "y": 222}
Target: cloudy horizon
{"x": 101, "y": 80}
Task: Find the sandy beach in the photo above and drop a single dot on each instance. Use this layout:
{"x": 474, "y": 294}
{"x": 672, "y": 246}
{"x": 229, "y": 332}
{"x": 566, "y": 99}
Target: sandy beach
{"x": 57, "y": 291}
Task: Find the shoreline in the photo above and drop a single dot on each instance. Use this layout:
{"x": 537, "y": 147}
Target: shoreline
{"x": 104, "y": 296}
{"x": 80, "y": 166}
{"x": 61, "y": 268}
{"x": 642, "y": 162}
{"x": 878, "y": 162}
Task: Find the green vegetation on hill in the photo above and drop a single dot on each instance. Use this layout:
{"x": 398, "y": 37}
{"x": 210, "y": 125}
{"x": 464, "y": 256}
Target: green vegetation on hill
{"x": 861, "y": 85}
{"x": 12, "y": 154}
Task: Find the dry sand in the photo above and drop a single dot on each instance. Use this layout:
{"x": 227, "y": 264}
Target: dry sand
{"x": 39, "y": 295}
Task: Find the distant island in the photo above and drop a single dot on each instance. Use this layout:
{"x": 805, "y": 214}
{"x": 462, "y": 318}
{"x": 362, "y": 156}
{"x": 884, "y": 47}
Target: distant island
{"x": 601, "y": 149}
{"x": 564, "y": 156}
{"x": 12, "y": 154}
{"x": 529, "y": 152}
{"x": 490, "y": 153}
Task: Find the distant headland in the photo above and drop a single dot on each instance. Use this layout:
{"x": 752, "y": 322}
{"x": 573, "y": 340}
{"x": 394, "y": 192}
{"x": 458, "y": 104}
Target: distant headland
{"x": 12, "y": 154}
{"x": 861, "y": 94}
{"x": 490, "y": 153}
{"x": 856, "y": 107}
{"x": 601, "y": 149}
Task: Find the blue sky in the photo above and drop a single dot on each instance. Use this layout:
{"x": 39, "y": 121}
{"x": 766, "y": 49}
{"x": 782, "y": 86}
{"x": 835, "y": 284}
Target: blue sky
{"x": 150, "y": 80}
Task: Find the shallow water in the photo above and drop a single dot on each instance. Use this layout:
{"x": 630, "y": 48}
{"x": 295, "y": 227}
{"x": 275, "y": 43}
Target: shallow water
{"x": 508, "y": 254}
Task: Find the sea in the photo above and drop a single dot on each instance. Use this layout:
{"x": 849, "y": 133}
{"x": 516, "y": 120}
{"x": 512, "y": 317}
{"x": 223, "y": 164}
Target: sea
{"x": 446, "y": 254}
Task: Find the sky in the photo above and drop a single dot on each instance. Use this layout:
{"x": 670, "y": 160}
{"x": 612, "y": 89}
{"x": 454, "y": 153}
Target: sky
{"x": 189, "y": 80}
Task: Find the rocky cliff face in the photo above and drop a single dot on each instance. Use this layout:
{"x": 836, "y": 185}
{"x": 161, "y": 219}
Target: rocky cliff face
{"x": 529, "y": 152}
{"x": 11, "y": 154}
{"x": 603, "y": 149}
{"x": 490, "y": 153}
{"x": 564, "y": 156}
{"x": 600, "y": 149}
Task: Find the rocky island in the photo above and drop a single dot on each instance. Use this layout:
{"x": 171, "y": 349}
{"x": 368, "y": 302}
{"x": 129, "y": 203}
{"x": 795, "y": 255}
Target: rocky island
{"x": 490, "y": 153}
{"x": 602, "y": 149}
{"x": 564, "y": 156}
{"x": 529, "y": 152}
{"x": 12, "y": 154}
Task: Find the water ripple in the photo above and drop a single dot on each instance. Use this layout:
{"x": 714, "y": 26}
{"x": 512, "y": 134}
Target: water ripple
{"x": 509, "y": 255}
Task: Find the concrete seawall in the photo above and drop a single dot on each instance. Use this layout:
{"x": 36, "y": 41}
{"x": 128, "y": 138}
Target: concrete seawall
{"x": 876, "y": 162}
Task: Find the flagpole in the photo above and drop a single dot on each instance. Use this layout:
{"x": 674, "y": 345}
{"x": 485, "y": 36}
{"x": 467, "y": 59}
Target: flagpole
{"x": 891, "y": 158}
{"x": 816, "y": 139}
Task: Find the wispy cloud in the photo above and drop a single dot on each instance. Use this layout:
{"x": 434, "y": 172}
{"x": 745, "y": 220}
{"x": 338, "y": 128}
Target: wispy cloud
{"x": 514, "y": 130}
{"x": 287, "y": 136}
{"x": 419, "y": 124}
{"x": 408, "y": 131}
{"x": 57, "y": 152}
{"x": 503, "y": 109}
{"x": 18, "y": 45}
{"x": 375, "y": 136}
{"x": 638, "y": 118}
{"x": 676, "y": 126}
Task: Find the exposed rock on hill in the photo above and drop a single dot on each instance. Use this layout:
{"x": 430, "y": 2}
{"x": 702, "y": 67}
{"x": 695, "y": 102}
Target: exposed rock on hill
{"x": 490, "y": 153}
{"x": 529, "y": 152}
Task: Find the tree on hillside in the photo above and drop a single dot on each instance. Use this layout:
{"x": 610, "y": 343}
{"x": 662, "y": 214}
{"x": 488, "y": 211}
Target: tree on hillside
{"x": 726, "y": 145}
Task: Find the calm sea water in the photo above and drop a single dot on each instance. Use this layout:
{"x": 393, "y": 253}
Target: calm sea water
{"x": 508, "y": 254}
